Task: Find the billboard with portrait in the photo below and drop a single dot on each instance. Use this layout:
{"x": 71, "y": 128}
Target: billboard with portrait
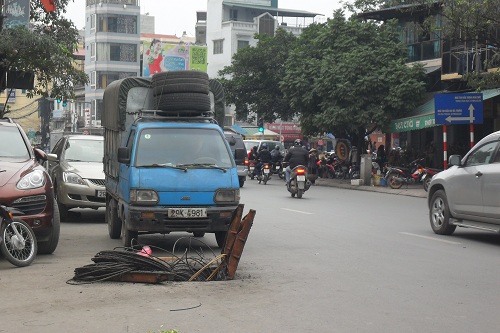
{"x": 161, "y": 57}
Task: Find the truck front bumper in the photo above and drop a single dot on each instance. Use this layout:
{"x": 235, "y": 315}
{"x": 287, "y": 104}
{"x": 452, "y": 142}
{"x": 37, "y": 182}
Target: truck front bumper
{"x": 156, "y": 220}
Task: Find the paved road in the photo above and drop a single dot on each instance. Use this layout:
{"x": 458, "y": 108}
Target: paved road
{"x": 337, "y": 260}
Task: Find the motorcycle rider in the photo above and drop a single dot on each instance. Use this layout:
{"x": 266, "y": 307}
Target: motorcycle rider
{"x": 276, "y": 156}
{"x": 264, "y": 156}
{"x": 297, "y": 155}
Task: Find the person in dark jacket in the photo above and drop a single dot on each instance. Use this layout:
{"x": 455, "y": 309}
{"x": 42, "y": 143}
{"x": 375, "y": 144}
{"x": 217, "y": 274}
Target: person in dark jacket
{"x": 264, "y": 156}
{"x": 297, "y": 155}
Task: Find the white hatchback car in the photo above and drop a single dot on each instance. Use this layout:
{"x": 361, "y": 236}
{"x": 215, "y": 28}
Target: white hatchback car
{"x": 467, "y": 194}
{"x": 76, "y": 168}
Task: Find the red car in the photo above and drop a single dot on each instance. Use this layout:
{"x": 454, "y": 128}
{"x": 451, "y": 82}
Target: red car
{"x": 26, "y": 186}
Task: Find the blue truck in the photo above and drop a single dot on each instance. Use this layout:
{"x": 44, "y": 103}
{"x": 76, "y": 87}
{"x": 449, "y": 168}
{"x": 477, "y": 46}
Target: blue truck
{"x": 167, "y": 163}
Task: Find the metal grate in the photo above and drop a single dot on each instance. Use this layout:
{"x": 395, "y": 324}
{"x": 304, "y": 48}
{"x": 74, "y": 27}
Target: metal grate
{"x": 31, "y": 205}
{"x": 99, "y": 182}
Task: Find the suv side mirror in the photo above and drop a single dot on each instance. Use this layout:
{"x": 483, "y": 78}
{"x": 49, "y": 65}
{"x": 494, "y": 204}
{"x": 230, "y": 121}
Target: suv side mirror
{"x": 123, "y": 155}
{"x": 455, "y": 160}
{"x": 240, "y": 153}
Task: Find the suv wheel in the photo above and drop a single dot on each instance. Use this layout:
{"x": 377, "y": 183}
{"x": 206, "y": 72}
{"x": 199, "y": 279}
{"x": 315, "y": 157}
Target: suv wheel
{"x": 242, "y": 181}
{"x": 50, "y": 245}
{"x": 439, "y": 214}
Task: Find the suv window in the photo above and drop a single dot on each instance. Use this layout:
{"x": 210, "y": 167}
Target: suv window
{"x": 482, "y": 155}
{"x": 16, "y": 147}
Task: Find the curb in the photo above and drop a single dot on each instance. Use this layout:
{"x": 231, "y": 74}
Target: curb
{"x": 411, "y": 190}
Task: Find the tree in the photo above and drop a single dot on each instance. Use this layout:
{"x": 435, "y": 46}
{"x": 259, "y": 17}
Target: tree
{"x": 349, "y": 77}
{"x": 46, "y": 49}
{"x": 251, "y": 82}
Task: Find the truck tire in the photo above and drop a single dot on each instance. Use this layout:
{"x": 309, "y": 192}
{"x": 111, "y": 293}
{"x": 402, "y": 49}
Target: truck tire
{"x": 112, "y": 219}
{"x": 175, "y": 75}
{"x": 128, "y": 235}
{"x": 220, "y": 237}
{"x": 183, "y": 102}
{"x": 181, "y": 85}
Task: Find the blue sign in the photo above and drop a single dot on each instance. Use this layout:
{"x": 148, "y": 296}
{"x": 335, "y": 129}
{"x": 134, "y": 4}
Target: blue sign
{"x": 451, "y": 109}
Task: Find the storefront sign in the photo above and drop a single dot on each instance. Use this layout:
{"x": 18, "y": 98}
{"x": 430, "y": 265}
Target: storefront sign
{"x": 414, "y": 123}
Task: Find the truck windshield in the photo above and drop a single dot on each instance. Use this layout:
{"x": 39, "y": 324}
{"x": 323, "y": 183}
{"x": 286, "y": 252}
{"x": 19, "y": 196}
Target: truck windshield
{"x": 182, "y": 146}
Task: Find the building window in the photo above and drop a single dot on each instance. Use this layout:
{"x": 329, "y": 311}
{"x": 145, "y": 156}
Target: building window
{"x": 116, "y": 52}
{"x": 92, "y": 21}
{"x": 243, "y": 43}
{"x": 218, "y": 46}
{"x": 233, "y": 15}
{"x": 105, "y": 78}
{"x": 92, "y": 51}
{"x": 92, "y": 80}
{"x": 125, "y": 24}
{"x": 266, "y": 25}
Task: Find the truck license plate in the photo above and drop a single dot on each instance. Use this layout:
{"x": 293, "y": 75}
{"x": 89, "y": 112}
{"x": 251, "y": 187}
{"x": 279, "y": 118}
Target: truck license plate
{"x": 187, "y": 213}
{"x": 101, "y": 194}
{"x": 301, "y": 178}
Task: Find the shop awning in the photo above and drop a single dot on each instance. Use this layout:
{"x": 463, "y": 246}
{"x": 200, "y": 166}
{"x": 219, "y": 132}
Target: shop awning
{"x": 239, "y": 129}
{"x": 272, "y": 10}
{"x": 424, "y": 116}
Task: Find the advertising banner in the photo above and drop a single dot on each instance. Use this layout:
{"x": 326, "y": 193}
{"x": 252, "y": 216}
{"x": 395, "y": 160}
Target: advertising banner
{"x": 161, "y": 57}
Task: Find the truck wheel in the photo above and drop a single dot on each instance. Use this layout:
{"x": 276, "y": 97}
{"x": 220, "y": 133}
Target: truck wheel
{"x": 439, "y": 214}
{"x": 128, "y": 235}
{"x": 220, "y": 237}
{"x": 176, "y": 75}
{"x": 182, "y": 87}
{"x": 183, "y": 101}
{"x": 112, "y": 219}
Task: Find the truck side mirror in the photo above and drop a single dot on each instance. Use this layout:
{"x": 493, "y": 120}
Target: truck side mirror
{"x": 240, "y": 153}
{"x": 124, "y": 155}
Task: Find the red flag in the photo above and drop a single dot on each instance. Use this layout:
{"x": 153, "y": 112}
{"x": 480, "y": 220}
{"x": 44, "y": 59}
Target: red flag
{"x": 49, "y": 5}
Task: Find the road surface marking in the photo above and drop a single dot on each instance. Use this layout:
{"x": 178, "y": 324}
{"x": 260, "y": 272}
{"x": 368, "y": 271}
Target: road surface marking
{"x": 297, "y": 211}
{"x": 431, "y": 238}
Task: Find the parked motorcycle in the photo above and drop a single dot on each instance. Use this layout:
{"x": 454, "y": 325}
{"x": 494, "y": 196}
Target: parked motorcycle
{"x": 265, "y": 173}
{"x": 397, "y": 176}
{"x": 17, "y": 242}
{"x": 427, "y": 177}
{"x": 298, "y": 181}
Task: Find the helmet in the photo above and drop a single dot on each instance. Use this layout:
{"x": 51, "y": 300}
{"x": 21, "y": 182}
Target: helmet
{"x": 277, "y": 147}
{"x": 297, "y": 142}
{"x": 263, "y": 146}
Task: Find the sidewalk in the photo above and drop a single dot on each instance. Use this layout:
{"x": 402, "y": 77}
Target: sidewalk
{"x": 410, "y": 190}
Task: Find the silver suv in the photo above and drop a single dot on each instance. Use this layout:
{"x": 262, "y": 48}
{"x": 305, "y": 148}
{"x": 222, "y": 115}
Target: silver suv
{"x": 468, "y": 193}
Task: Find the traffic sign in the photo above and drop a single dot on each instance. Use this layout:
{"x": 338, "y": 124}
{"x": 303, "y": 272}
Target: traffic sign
{"x": 451, "y": 109}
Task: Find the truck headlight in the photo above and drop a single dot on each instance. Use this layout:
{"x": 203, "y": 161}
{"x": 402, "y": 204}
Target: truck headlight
{"x": 143, "y": 197}
{"x": 34, "y": 179}
{"x": 72, "y": 178}
{"x": 227, "y": 195}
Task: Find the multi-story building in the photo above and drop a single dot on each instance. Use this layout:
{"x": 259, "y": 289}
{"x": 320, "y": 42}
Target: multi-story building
{"x": 231, "y": 25}
{"x": 112, "y": 46}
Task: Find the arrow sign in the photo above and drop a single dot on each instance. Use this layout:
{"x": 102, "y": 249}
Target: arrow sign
{"x": 453, "y": 109}
{"x": 470, "y": 118}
